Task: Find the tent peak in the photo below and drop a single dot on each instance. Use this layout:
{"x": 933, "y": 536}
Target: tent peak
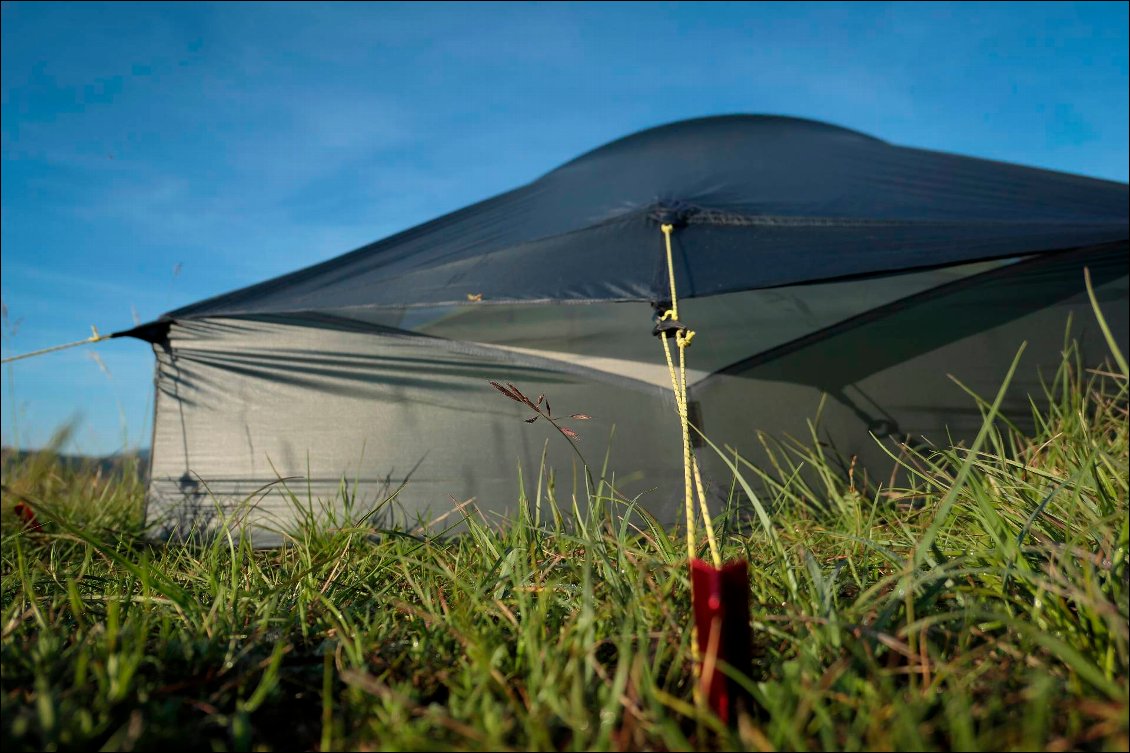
{"x": 738, "y": 126}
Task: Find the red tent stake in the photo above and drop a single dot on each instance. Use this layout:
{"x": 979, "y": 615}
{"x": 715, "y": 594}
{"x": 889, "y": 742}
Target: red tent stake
{"x": 720, "y": 597}
{"x": 27, "y": 516}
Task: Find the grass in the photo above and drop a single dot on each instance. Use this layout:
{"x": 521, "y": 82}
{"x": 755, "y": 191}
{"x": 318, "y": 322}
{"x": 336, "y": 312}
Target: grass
{"x": 981, "y": 606}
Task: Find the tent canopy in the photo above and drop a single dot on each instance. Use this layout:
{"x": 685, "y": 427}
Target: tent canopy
{"x": 760, "y": 201}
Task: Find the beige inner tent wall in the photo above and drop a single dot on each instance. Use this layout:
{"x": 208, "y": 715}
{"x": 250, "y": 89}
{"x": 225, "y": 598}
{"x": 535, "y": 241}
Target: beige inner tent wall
{"x": 242, "y": 404}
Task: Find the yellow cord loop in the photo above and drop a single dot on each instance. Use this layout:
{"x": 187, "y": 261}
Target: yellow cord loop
{"x": 692, "y": 479}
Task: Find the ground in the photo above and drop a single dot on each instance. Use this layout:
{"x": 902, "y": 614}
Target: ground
{"x": 983, "y": 606}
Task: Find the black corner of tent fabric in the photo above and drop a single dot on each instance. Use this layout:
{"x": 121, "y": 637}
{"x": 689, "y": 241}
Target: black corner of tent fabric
{"x": 150, "y": 332}
{"x": 815, "y": 262}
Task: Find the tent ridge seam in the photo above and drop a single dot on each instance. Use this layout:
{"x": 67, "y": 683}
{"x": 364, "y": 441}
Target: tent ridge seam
{"x": 699, "y": 216}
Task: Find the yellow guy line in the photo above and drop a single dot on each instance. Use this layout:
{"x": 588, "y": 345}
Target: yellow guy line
{"x": 94, "y": 338}
{"x": 679, "y": 388}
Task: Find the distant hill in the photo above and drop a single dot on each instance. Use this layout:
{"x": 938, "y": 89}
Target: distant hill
{"x": 105, "y": 463}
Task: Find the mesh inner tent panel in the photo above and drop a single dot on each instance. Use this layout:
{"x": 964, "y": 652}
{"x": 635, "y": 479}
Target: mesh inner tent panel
{"x": 902, "y": 375}
{"x": 268, "y": 417}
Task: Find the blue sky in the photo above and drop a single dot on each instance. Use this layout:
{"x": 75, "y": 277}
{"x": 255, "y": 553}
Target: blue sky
{"x": 157, "y": 154}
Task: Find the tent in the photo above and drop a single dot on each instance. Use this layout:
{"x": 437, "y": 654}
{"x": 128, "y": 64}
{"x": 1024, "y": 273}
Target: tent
{"x": 816, "y": 264}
